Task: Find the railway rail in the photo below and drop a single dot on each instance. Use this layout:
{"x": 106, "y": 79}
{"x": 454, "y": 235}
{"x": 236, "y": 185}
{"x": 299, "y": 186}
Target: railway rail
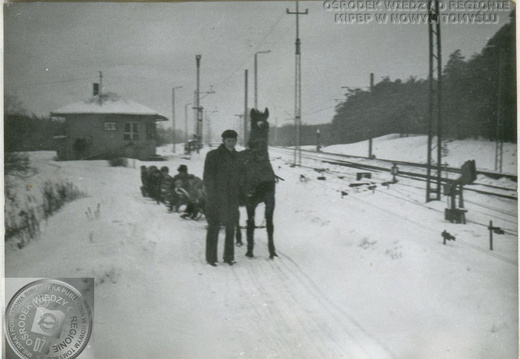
{"x": 490, "y": 174}
{"x": 492, "y": 211}
{"x": 408, "y": 169}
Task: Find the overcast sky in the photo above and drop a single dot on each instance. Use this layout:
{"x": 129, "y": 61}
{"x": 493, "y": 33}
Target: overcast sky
{"x": 54, "y": 51}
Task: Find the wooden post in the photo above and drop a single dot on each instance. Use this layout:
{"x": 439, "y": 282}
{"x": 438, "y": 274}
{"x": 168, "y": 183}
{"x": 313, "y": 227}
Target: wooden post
{"x": 245, "y": 109}
{"x": 490, "y": 235}
{"x": 461, "y": 197}
{"x": 370, "y": 120}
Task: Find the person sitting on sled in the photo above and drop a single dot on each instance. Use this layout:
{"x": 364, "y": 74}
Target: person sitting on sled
{"x": 190, "y": 197}
{"x": 184, "y": 176}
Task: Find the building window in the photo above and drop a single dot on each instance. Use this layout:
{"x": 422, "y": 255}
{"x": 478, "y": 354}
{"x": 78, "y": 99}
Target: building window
{"x": 110, "y": 126}
{"x": 131, "y": 131}
{"x": 150, "y": 131}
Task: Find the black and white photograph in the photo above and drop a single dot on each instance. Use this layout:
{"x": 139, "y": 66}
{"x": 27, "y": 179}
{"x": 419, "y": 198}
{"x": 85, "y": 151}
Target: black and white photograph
{"x": 260, "y": 179}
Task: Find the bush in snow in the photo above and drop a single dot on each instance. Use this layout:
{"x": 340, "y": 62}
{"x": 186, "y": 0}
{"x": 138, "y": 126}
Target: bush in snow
{"x": 23, "y": 214}
{"x": 55, "y": 195}
{"x": 118, "y": 162}
{"x": 16, "y": 163}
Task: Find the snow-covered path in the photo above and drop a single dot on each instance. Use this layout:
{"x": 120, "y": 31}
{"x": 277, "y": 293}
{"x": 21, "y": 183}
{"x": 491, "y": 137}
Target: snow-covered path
{"x": 365, "y": 276}
{"x": 156, "y": 294}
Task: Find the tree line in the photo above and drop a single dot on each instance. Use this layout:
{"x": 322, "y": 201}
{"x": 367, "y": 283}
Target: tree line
{"x": 23, "y": 132}
{"x": 475, "y": 93}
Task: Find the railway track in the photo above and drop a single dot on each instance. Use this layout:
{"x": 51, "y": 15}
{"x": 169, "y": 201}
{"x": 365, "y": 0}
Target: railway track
{"x": 509, "y": 225}
{"x": 411, "y": 170}
{"x": 490, "y": 174}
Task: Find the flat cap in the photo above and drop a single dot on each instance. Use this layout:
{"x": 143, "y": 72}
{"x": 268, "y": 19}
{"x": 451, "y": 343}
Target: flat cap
{"x": 229, "y": 134}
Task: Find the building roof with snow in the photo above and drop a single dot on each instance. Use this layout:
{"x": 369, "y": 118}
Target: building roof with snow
{"x": 110, "y": 104}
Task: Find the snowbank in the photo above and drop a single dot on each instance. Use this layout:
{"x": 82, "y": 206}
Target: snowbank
{"x": 361, "y": 275}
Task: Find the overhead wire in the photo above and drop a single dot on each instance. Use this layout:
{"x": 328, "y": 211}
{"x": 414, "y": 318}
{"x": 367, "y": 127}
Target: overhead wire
{"x": 56, "y": 82}
{"x": 248, "y": 57}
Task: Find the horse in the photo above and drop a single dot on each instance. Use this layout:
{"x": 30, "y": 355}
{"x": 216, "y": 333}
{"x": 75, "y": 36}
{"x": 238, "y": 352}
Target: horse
{"x": 259, "y": 181}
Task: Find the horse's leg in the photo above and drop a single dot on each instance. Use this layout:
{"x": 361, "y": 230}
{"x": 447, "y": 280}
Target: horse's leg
{"x": 269, "y": 214}
{"x": 238, "y": 235}
{"x": 250, "y": 231}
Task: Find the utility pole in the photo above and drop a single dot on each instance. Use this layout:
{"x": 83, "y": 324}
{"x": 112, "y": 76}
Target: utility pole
{"x": 499, "y": 144}
{"x": 433, "y": 171}
{"x": 370, "y": 120}
{"x": 202, "y": 108}
{"x": 208, "y": 122}
{"x": 100, "y": 88}
{"x": 197, "y": 104}
{"x": 276, "y": 131}
{"x": 208, "y": 125}
{"x": 318, "y": 140}
{"x": 173, "y": 116}
{"x": 197, "y": 114}
{"x": 240, "y": 124}
{"x": 256, "y": 74}
{"x": 194, "y": 108}
{"x": 245, "y": 110}
{"x": 186, "y": 135}
{"x": 297, "y": 86}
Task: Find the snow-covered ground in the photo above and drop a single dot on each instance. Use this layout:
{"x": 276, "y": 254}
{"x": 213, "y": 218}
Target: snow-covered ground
{"x": 413, "y": 149}
{"x": 363, "y": 275}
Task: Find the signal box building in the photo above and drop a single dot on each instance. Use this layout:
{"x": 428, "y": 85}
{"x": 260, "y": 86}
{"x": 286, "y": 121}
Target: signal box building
{"x": 107, "y": 128}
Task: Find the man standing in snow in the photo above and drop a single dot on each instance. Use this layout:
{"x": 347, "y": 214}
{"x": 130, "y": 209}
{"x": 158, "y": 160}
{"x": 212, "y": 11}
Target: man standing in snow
{"x": 222, "y": 182}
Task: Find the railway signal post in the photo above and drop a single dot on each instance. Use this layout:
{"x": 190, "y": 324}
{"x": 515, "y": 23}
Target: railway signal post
{"x": 456, "y": 214}
{"x": 298, "y": 87}
{"x": 433, "y": 179}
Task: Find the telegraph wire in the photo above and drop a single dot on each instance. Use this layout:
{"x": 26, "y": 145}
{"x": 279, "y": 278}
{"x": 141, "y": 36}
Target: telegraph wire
{"x": 248, "y": 57}
{"x": 56, "y": 82}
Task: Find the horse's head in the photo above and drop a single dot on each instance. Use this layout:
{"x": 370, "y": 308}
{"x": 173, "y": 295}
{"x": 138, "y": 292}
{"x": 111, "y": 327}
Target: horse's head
{"x": 258, "y": 137}
{"x": 259, "y": 119}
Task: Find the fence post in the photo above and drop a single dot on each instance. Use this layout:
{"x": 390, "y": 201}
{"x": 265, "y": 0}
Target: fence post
{"x": 491, "y": 235}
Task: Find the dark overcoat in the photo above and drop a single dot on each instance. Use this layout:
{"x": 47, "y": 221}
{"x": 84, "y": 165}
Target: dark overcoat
{"x": 221, "y": 178}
